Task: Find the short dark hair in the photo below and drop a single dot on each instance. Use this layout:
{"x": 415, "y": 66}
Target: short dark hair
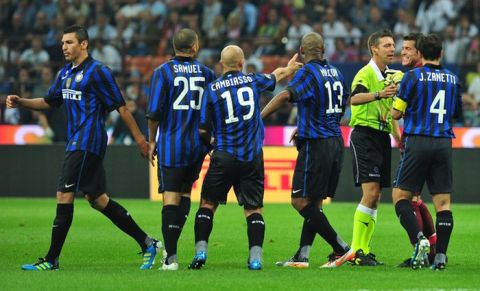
{"x": 414, "y": 36}
{"x": 184, "y": 39}
{"x": 80, "y": 32}
{"x": 374, "y": 38}
{"x": 430, "y": 46}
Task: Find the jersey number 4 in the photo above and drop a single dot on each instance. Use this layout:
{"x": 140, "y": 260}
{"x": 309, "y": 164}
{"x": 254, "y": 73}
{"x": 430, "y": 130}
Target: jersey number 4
{"x": 190, "y": 84}
{"x": 438, "y": 106}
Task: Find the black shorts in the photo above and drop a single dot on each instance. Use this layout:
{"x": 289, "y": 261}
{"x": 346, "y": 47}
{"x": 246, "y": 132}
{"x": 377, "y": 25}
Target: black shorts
{"x": 82, "y": 171}
{"x": 425, "y": 159}
{"x": 372, "y": 156}
{"x": 246, "y": 178}
{"x": 178, "y": 179}
{"x": 318, "y": 168}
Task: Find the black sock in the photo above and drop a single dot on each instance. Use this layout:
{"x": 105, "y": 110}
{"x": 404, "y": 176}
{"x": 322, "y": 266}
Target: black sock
{"x": 406, "y": 214}
{"x": 444, "y": 228}
{"x": 184, "y": 209}
{"x": 308, "y": 234}
{"x": 61, "y": 225}
{"x": 170, "y": 228}
{"x": 203, "y": 224}
{"x": 319, "y": 222}
{"x": 122, "y": 219}
{"x": 255, "y": 230}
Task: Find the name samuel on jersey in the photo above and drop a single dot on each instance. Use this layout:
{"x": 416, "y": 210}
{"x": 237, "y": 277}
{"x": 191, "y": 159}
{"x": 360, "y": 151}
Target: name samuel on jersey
{"x": 178, "y": 68}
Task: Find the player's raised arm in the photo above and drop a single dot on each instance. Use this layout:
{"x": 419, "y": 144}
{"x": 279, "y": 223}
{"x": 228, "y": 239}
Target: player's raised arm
{"x": 14, "y": 101}
{"x": 290, "y": 69}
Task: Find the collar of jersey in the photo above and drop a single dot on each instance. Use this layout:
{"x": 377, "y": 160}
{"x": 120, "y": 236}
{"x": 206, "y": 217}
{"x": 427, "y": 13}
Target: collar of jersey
{"x": 233, "y": 72}
{"x": 183, "y": 59}
{"x": 317, "y": 61}
{"x": 376, "y": 70}
{"x": 433, "y": 66}
{"x": 79, "y": 67}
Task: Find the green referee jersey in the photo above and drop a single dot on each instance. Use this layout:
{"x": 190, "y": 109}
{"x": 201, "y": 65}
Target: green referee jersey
{"x": 374, "y": 114}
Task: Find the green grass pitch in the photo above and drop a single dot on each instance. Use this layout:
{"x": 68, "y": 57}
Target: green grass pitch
{"x": 97, "y": 256}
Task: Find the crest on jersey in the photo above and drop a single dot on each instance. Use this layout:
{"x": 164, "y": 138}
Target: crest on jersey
{"x": 68, "y": 83}
{"x": 79, "y": 77}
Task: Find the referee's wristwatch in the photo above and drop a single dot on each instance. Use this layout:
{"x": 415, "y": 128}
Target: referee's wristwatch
{"x": 376, "y": 95}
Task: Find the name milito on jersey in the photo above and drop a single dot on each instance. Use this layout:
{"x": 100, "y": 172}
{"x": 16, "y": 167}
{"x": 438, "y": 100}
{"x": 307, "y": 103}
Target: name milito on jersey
{"x": 72, "y": 94}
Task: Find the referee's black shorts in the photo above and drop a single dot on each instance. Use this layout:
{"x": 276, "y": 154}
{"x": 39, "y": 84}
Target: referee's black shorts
{"x": 246, "y": 178}
{"x": 425, "y": 159}
{"x": 82, "y": 171}
{"x": 371, "y": 156}
{"x": 318, "y": 168}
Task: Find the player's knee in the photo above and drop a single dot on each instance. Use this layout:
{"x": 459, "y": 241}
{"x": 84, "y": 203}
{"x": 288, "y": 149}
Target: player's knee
{"x": 251, "y": 210}
{"x": 208, "y": 204}
{"x": 441, "y": 202}
{"x": 299, "y": 203}
{"x": 97, "y": 202}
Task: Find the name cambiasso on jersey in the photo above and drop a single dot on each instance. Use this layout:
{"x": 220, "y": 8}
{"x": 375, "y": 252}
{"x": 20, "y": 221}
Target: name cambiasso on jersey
{"x": 320, "y": 93}
{"x": 88, "y": 93}
{"x": 231, "y": 106}
{"x": 432, "y": 94}
{"x": 176, "y": 92}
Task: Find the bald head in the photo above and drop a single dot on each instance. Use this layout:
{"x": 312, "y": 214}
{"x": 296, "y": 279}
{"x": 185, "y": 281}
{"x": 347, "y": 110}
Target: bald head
{"x": 232, "y": 57}
{"x": 312, "y": 44}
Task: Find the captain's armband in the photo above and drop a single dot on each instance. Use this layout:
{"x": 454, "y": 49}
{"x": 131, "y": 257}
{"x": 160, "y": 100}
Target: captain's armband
{"x": 400, "y": 105}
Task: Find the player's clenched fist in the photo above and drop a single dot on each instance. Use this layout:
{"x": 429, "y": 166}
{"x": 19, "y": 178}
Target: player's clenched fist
{"x": 13, "y": 101}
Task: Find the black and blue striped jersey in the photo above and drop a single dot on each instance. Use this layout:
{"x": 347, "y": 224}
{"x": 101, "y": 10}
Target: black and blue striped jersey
{"x": 88, "y": 92}
{"x": 231, "y": 107}
{"x": 320, "y": 92}
{"x": 176, "y": 92}
{"x": 433, "y": 95}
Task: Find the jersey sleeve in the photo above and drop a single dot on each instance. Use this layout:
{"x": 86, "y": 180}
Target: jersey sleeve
{"x": 205, "y": 109}
{"x": 209, "y": 76}
{"x": 106, "y": 89}
{"x": 300, "y": 86}
{"x": 346, "y": 92}
{"x": 361, "y": 78}
{"x": 54, "y": 95}
{"x": 156, "y": 96}
{"x": 266, "y": 82}
{"x": 406, "y": 85}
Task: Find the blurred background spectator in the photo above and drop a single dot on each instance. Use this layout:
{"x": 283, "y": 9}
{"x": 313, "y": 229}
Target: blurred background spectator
{"x": 134, "y": 36}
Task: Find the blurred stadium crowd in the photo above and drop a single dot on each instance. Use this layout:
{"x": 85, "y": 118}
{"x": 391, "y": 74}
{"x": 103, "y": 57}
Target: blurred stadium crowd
{"x": 133, "y": 37}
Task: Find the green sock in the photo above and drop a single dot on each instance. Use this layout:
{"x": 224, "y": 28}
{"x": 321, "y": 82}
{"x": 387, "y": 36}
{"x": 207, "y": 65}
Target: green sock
{"x": 362, "y": 223}
{"x": 369, "y": 233}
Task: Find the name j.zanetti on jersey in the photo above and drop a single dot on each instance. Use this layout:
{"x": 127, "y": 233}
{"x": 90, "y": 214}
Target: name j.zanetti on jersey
{"x": 437, "y": 77}
{"x": 72, "y": 94}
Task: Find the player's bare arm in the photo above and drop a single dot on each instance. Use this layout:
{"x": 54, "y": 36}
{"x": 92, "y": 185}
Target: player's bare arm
{"x": 396, "y": 132}
{"x": 275, "y": 104}
{"x": 14, "y": 101}
{"x": 134, "y": 130}
{"x": 152, "y": 140}
{"x": 362, "y": 98}
{"x": 290, "y": 69}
